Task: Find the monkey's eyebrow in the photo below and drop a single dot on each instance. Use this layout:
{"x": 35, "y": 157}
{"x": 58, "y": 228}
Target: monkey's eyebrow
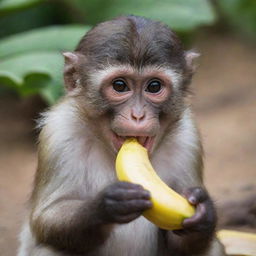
{"x": 173, "y": 75}
{"x": 99, "y": 76}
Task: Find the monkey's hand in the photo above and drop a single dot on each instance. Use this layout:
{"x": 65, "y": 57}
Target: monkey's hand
{"x": 198, "y": 230}
{"x": 204, "y": 220}
{"x": 123, "y": 202}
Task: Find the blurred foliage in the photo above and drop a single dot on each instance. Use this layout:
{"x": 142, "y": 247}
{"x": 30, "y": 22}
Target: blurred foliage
{"x": 241, "y": 15}
{"x": 31, "y": 61}
{"x": 10, "y": 5}
{"x": 175, "y": 13}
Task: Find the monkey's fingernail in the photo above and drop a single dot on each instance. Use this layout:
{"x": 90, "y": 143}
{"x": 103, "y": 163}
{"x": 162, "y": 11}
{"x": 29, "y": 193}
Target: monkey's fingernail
{"x": 146, "y": 194}
{"x": 137, "y": 186}
{"x": 149, "y": 204}
{"x": 192, "y": 200}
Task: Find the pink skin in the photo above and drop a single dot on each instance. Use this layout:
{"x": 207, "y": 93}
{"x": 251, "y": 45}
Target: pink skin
{"x": 133, "y": 120}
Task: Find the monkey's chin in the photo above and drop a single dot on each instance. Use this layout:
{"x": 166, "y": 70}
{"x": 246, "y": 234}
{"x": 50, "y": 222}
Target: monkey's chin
{"x": 145, "y": 141}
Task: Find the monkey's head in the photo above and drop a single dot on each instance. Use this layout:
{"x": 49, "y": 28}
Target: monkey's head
{"x": 130, "y": 77}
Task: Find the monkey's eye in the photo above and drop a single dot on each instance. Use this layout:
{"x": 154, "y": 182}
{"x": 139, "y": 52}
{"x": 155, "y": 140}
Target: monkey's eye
{"x": 120, "y": 86}
{"x": 154, "y": 86}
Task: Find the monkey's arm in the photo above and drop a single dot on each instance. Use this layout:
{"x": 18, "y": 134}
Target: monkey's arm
{"x": 80, "y": 226}
{"x": 70, "y": 225}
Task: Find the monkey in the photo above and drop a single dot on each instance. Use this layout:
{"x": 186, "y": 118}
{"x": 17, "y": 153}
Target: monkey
{"x": 128, "y": 77}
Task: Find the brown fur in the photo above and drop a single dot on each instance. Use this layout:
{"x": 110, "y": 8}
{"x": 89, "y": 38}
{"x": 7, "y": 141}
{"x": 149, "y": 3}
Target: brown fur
{"x": 136, "y": 41}
{"x": 70, "y": 209}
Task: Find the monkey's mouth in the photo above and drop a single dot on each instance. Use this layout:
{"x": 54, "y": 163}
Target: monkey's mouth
{"x": 145, "y": 141}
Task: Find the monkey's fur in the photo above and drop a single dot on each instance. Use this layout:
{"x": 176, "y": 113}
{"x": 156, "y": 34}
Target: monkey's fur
{"x": 77, "y": 205}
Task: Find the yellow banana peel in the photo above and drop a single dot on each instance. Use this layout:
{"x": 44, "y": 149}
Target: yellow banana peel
{"x": 237, "y": 242}
{"x": 169, "y": 208}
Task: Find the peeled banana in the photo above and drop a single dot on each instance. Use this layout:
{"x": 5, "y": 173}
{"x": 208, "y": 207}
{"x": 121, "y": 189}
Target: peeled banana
{"x": 169, "y": 208}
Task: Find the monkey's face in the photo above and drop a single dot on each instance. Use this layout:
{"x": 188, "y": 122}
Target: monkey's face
{"x": 130, "y": 75}
{"x": 136, "y": 103}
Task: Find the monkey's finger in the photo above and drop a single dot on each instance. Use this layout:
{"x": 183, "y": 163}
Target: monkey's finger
{"x": 128, "y": 194}
{"x": 196, "y": 195}
{"x": 125, "y": 184}
{"x": 138, "y": 205}
{"x": 130, "y": 206}
{"x": 196, "y": 218}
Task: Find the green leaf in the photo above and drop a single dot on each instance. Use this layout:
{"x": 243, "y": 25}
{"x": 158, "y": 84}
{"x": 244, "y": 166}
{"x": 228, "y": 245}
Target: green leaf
{"x": 181, "y": 15}
{"x": 59, "y": 38}
{"x": 32, "y": 73}
{"x": 52, "y": 92}
{"x": 41, "y": 15}
{"x": 31, "y": 61}
{"x": 11, "y": 5}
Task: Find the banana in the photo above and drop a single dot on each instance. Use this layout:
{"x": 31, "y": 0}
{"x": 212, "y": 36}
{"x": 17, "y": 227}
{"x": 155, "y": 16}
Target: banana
{"x": 169, "y": 208}
{"x": 237, "y": 242}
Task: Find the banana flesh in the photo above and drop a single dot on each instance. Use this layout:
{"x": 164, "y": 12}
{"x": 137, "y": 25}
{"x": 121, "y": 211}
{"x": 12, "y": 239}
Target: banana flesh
{"x": 169, "y": 208}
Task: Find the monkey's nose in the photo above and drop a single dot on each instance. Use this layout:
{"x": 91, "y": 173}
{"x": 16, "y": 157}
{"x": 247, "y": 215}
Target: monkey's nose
{"x": 138, "y": 115}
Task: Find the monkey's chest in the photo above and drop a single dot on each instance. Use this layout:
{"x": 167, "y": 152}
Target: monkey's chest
{"x": 139, "y": 237}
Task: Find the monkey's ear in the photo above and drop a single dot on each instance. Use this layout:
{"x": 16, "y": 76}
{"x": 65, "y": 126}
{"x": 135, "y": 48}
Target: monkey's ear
{"x": 191, "y": 57}
{"x": 71, "y": 75}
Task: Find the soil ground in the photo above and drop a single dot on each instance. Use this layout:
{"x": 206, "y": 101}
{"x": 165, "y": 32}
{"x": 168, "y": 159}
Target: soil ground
{"x": 225, "y": 108}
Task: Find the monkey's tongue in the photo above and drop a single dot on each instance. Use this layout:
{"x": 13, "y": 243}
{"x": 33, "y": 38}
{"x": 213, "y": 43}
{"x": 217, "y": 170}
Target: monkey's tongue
{"x": 147, "y": 142}
{"x": 142, "y": 140}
